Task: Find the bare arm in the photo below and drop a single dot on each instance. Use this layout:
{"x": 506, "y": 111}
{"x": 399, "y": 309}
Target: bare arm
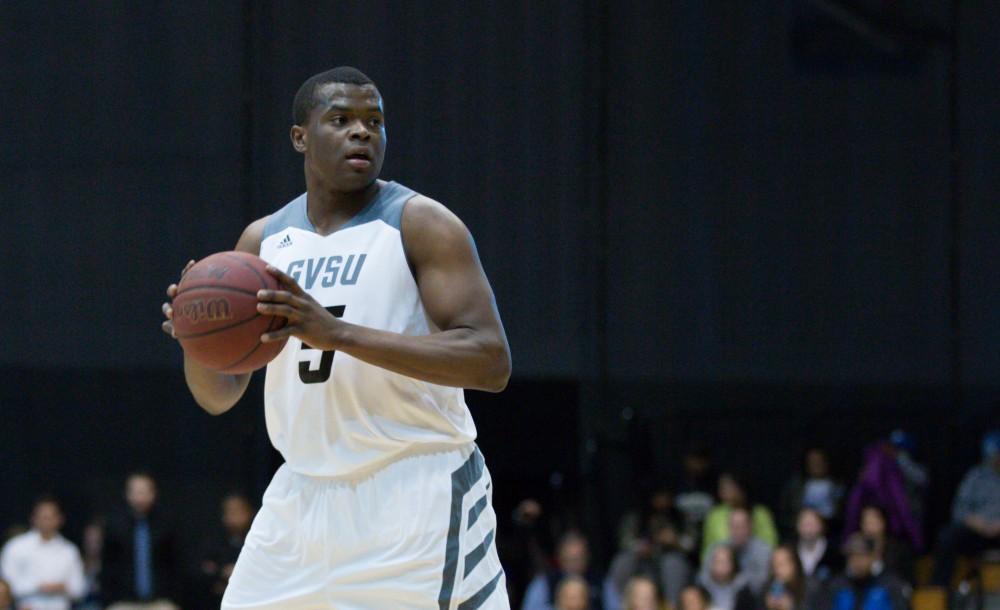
{"x": 468, "y": 349}
{"x": 215, "y": 392}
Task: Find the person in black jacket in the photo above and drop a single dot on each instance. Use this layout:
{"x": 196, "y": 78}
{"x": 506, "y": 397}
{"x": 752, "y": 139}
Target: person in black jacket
{"x": 818, "y": 555}
{"x": 139, "y": 563}
{"x": 218, "y": 558}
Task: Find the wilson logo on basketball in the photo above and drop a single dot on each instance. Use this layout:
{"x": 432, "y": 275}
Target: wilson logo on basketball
{"x": 207, "y": 310}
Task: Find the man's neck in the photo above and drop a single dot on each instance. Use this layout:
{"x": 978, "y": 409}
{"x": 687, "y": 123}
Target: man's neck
{"x": 328, "y": 209}
{"x": 810, "y": 544}
{"x": 46, "y": 536}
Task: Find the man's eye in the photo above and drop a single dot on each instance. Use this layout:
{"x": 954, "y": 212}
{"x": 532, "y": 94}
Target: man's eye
{"x": 338, "y": 120}
{"x": 375, "y": 122}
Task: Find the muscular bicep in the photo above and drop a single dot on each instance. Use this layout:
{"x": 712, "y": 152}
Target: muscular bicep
{"x": 452, "y": 283}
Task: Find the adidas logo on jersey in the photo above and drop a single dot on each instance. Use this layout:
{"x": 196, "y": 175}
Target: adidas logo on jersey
{"x": 284, "y": 243}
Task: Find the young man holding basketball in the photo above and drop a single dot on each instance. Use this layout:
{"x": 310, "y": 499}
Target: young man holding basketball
{"x": 383, "y": 500}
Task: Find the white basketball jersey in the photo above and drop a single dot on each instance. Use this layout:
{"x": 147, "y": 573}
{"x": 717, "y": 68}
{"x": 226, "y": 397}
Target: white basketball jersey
{"x": 330, "y": 414}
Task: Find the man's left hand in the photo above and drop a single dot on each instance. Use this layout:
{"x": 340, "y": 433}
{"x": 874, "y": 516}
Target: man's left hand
{"x": 307, "y": 319}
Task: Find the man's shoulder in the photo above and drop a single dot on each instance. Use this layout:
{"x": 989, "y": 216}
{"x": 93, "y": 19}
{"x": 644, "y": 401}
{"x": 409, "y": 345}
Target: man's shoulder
{"x": 21, "y": 542}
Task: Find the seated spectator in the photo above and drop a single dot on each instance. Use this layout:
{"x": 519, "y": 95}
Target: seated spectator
{"x": 813, "y": 487}
{"x": 695, "y": 597}
{"x": 894, "y": 555}
{"x": 695, "y": 496}
{"x": 572, "y": 594}
{"x": 914, "y": 473}
{"x": 861, "y": 585}
{"x": 641, "y": 594}
{"x": 721, "y": 578}
{"x": 657, "y": 557}
{"x": 573, "y": 558}
{"x": 44, "y": 569}
{"x": 753, "y": 556}
{"x": 6, "y": 597}
{"x": 219, "y": 557}
{"x": 139, "y": 562}
{"x": 818, "y": 557}
{"x": 975, "y": 518}
{"x": 733, "y": 493}
{"x": 93, "y": 548}
{"x": 658, "y": 509}
{"x": 786, "y": 589}
{"x": 881, "y": 482}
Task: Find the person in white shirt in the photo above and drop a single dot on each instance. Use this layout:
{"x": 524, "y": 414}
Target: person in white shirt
{"x": 44, "y": 570}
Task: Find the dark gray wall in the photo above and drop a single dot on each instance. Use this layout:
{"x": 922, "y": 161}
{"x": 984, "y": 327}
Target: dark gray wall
{"x": 763, "y": 221}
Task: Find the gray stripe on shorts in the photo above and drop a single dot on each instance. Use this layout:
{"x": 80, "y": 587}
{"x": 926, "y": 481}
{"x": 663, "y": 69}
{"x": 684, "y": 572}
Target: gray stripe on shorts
{"x": 476, "y": 555}
{"x": 475, "y": 511}
{"x": 481, "y": 595}
{"x": 462, "y": 481}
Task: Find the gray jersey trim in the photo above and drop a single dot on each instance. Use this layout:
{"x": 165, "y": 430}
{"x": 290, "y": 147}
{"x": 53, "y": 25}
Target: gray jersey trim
{"x": 387, "y": 207}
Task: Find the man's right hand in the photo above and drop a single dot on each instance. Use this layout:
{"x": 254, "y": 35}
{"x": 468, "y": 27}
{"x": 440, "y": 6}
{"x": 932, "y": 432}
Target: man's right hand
{"x": 168, "y": 310}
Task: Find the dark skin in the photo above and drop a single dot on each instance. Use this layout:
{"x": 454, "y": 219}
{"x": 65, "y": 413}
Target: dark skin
{"x": 467, "y": 347}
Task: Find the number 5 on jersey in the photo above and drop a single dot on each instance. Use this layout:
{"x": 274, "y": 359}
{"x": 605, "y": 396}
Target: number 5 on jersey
{"x": 309, "y": 375}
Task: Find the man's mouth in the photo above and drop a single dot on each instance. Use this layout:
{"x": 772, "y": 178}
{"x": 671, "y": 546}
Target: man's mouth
{"x": 359, "y": 159}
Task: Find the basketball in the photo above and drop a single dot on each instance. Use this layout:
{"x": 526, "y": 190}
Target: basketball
{"x": 215, "y": 313}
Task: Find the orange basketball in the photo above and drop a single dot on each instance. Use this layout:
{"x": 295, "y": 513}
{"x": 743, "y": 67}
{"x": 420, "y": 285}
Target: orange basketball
{"x": 215, "y": 313}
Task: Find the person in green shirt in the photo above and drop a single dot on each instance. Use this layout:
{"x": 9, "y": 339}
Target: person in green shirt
{"x": 733, "y": 494}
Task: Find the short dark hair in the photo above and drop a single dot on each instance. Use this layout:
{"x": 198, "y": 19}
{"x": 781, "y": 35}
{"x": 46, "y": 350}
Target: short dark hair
{"x": 46, "y": 499}
{"x": 305, "y": 98}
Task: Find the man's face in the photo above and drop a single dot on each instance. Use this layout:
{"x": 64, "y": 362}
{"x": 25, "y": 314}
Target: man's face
{"x": 573, "y": 596}
{"x": 722, "y": 566}
{"x": 809, "y": 526}
{"x": 47, "y": 519}
{"x": 140, "y": 493}
{"x": 816, "y": 464}
{"x": 695, "y": 465}
{"x": 573, "y": 557}
{"x": 859, "y": 565}
{"x": 691, "y": 599}
{"x": 236, "y": 515}
{"x": 739, "y": 528}
{"x": 343, "y": 139}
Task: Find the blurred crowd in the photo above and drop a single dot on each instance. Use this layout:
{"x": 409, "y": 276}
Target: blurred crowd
{"x": 707, "y": 543}
{"x": 127, "y": 560}
{"x": 703, "y": 543}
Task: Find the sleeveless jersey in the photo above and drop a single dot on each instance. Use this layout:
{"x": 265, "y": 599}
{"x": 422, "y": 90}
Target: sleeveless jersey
{"x": 332, "y": 415}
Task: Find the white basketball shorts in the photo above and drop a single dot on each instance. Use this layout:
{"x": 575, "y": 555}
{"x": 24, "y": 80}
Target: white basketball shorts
{"x": 419, "y": 533}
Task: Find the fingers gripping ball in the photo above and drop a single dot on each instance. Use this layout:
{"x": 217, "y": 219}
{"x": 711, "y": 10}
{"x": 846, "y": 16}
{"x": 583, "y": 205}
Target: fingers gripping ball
{"x": 215, "y": 313}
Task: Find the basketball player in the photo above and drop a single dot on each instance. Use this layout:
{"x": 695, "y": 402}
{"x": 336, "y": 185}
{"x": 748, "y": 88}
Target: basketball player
{"x": 383, "y": 500}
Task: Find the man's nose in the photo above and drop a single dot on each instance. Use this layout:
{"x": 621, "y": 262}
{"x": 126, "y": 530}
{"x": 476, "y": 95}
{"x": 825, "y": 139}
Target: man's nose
{"x": 359, "y": 131}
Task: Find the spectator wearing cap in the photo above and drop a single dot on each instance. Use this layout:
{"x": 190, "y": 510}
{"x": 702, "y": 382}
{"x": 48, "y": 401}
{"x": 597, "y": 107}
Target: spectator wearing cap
{"x": 862, "y": 585}
{"x": 975, "y": 519}
{"x": 915, "y": 474}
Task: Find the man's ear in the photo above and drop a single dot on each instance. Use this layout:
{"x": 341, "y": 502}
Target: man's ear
{"x": 299, "y": 138}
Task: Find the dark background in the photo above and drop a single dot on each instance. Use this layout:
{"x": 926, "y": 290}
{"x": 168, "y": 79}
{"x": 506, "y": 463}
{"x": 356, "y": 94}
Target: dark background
{"x": 750, "y": 224}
